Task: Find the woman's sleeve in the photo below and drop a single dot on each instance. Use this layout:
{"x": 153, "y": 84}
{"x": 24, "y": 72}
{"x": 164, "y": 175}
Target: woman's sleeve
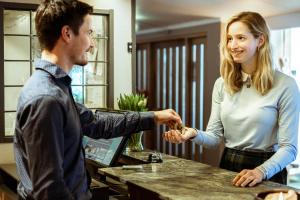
{"x": 213, "y": 135}
{"x": 288, "y": 122}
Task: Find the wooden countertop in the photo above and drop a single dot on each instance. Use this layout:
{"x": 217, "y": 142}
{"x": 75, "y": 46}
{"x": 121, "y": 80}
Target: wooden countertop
{"x": 181, "y": 179}
{"x": 11, "y": 170}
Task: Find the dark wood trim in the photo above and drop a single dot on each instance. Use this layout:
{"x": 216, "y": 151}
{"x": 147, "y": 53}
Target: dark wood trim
{"x": 110, "y": 70}
{"x": 141, "y": 72}
{"x": 199, "y": 93}
{"x": 18, "y": 6}
{"x": 188, "y": 95}
{"x": 31, "y": 40}
{"x": 20, "y": 35}
{"x": 174, "y": 146}
{"x": 151, "y": 74}
{"x": 161, "y": 94}
{"x": 180, "y": 66}
{"x": 2, "y": 127}
{"x": 151, "y": 138}
{"x": 9, "y": 60}
{"x": 166, "y": 37}
{"x": 167, "y": 77}
{"x": 212, "y": 59}
{"x": 133, "y": 39}
{"x": 209, "y": 35}
{"x": 137, "y": 71}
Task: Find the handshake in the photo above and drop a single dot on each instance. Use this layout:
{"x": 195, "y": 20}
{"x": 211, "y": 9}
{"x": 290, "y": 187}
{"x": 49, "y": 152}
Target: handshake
{"x": 177, "y": 133}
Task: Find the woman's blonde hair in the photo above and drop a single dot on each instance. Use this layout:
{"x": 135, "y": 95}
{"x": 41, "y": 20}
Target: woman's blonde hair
{"x": 262, "y": 79}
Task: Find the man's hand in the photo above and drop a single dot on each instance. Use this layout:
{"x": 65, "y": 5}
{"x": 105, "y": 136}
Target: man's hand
{"x": 169, "y": 117}
{"x": 176, "y": 136}
{"x": 248, "y": 177}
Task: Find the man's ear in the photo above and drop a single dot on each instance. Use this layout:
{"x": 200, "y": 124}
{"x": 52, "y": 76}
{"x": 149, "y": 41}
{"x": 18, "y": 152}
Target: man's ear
{"x": 66, "y": 33}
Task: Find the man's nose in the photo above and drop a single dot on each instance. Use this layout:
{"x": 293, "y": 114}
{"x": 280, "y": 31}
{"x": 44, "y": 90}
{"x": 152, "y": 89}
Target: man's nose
{"x": 92, "y": 43}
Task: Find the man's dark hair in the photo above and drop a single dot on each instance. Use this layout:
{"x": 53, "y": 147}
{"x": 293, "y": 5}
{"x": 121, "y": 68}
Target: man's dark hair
{"x": 52, "y": 15}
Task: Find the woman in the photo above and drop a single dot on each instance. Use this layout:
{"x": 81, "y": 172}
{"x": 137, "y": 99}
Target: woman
{"x": 255, "y": 109}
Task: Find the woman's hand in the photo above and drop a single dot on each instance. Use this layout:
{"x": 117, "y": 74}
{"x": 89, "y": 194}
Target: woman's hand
{"x": 248, "y": 177}
{"x": 177, "y": 136}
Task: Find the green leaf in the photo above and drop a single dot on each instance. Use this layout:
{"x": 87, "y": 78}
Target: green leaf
{"x": 134, "y": 102}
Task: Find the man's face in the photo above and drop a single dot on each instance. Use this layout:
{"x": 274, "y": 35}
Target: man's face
{"x": 82, "y": 43}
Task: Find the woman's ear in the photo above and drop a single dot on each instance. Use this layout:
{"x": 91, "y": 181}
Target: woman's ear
{"x": 261, "y": 41}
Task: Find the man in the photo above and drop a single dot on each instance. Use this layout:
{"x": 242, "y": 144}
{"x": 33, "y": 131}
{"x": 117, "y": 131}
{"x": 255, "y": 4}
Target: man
{"x": 49, "y": 124}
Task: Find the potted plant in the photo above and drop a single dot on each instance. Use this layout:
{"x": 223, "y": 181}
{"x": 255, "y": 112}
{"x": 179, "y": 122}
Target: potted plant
{"x": 134, "y": 102}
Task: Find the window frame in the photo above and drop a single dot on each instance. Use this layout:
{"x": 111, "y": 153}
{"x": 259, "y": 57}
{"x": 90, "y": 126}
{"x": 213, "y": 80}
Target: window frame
{"x": 33, "y": 7}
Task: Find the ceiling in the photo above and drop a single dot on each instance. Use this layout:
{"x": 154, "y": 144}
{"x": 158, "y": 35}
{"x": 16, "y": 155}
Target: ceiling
{"x": 155, "y": 14}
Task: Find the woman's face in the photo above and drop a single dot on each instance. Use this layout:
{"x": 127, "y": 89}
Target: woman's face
{"x": 241, "y": 44}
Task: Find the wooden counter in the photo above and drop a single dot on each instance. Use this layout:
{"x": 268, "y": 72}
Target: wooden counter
{"x": 180, "y": 179}
{"x": 11, "y": 170}
{"x": 8, "y": 181}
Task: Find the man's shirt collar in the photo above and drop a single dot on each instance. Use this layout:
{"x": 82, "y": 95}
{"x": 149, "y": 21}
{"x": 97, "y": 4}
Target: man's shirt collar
{"x": 53, "y": 69}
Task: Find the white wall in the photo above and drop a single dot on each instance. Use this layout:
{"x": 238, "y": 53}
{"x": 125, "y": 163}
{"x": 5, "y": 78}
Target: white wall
{"x": 122, "y": 35}
{"x": 284, "y": 21}
{"x": 6, "y": 153}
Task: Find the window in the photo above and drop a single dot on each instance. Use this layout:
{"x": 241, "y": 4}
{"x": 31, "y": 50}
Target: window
{"x": 286, "y": 56}
{"x": 91, "y": 84}
{"x": 19, "y": 52}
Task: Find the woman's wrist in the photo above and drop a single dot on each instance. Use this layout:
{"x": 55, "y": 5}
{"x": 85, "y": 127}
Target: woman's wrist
{"x": 264, "y": 177}
{"x": 194, "y": 133}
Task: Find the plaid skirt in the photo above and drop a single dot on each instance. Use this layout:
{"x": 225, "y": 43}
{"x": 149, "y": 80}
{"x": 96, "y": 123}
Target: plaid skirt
{"x": 237, "y": 160}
